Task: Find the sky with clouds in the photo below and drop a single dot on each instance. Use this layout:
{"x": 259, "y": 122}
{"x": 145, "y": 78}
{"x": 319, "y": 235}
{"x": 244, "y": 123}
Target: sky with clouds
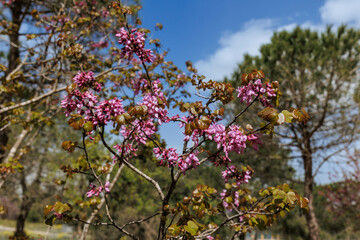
{"x": 215, "y": 35}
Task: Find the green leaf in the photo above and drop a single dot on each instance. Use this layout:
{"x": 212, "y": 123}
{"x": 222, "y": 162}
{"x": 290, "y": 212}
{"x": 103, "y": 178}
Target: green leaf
{"x": 282, "y": 213}
{"x": 269, "y": 114}
{"x": 286, "y": 187}
{"x": 191, "y": 228}
{"x": 291, "y": 197}
{"x": 253, "y": 219}
{"x": 188, "y": 129}
{"x": 48, "y": 209}
{"x": 69, "y": 146}
{"x": 60, "y": 207}
{"x": 88, "y": 126}
{"x": 264, "y": 193}
{"x": 279, "y": 194}
{"x": 229, "y": 199}
{"x": 174, "y": 230}
{"x": 50, "y": 221}
{"x": 264, "y": 218}
{"x": 288, "y": 116}
{"x": 211, "y": 190}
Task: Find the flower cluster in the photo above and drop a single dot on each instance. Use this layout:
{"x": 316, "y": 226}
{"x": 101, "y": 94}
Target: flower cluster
{"x": 97, "y": 190}
{"x": 108, "y": 109}
{"x": 139, "y": 130}
{"x": 168, "y": 156}
{"x": 76, "y": 100}
{"x": 231, "y": 199}
{"x": 87, "y": 80}
{"x": 101, "y": 44}
{"x": 254, "y": 140}
{"x": 127, "y": 149}
{"x": 87, "y": 104}
{"x": 156, "y": 103}
{"x": 171, "y": 158}
{"x": 228, "y": 198}
{"x": 246, "y": 93}
{"x": 185, "y": 162}
{"x": 134, "y": 42}
{"x": 231, "y": 139}
{"x": 240, "y": 176}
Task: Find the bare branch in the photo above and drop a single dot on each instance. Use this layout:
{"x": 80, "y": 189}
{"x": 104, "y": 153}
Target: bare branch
{"x": 8, "y": 77}
{"x": 102, "y": 201}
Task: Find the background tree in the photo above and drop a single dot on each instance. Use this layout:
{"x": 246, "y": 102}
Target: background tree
{"x": 36, "y": 66}
{"x": 342, "y": 195}
{"x": 319, "y": 71}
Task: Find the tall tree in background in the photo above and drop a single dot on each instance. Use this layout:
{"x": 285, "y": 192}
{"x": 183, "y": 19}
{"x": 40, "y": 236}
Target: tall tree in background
{"x": 37, "y": 40}
{"x": 37, "y": 61}
{"x": 319, "y": 71}
{"x": 343, "y": 195}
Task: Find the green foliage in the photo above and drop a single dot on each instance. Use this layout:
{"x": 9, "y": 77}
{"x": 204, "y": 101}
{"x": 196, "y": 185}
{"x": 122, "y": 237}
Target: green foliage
{"x": 319, "y": 70}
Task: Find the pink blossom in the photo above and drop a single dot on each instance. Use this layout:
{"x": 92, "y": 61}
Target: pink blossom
{"x": 188, "y": 161}
{"x": 87, "y": 104}
{"x": 255, "y": 141}
{"x": 166, "y": 156}
{"x": 58, "y": 215}
{"x": 235, "y": 199}
{"x": 240, "y": 176}
{"x": 128, "y": 149}
{"x": 101, "y": 44}
{"x": 231, "y": 139}
{"x": 171, "y": 158}
{"x": 104, "y": 13}
{"x": 138, "y": 130}
{"x": 155, "y": 101}
{"x": 108, "y": 110}
{"x": 86, "y": 79}
{"x": 265, "y": 93}
{"x": 133, "y": 42}
{"x": 94, "y": 191}
{"x": 107, "y": 186}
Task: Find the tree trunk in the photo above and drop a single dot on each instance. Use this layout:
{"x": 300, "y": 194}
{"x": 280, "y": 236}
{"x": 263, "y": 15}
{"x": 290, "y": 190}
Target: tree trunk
{"x": 13, "y": 59}
{"x": 14, "y": 52}
{"x": 3, "y": 142}
{"x": 312, "y": 224}
{"x": 242, "y": 236}
{"x": 25, "y": 207}
{"x": 20, "y": 221}
{"x": 26, "y": 204}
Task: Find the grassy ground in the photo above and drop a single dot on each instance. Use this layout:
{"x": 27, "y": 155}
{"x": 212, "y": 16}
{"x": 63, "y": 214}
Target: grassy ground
{"x": 34, "y": 230}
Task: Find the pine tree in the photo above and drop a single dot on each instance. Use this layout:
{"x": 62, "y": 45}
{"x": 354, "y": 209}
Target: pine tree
{"x": 319, "y": 71}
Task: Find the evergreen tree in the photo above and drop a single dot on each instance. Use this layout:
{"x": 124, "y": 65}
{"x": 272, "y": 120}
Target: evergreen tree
{"x": 319, "y": 71}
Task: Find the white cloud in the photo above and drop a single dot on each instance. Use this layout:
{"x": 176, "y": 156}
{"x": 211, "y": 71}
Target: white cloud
{"x": 233, "y": 47}
{"x": 223, "y": 61}
{"x": 341, "y": 11}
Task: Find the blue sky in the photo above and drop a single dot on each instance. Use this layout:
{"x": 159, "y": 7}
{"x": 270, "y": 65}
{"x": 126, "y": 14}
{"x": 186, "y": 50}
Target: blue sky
{"x": 215, "y": 35}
